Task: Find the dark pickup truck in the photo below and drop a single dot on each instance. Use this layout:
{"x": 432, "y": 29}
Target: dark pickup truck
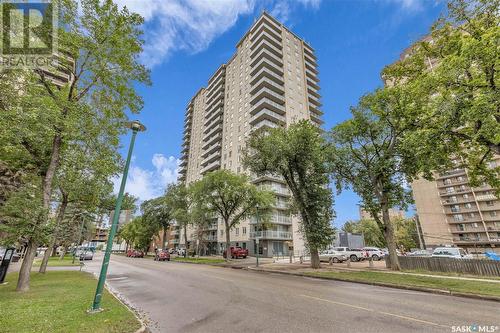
{"x": 236, "y": 252}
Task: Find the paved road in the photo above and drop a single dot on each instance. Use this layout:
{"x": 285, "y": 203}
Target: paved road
{"x": 181, "y": 297}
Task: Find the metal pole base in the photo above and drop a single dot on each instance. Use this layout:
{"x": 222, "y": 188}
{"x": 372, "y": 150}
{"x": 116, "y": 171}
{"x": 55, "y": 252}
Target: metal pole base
{"x": 94, "y": 311}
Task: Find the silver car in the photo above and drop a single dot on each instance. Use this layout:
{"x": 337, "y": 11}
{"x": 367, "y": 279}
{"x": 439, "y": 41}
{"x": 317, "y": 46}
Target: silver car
{"x": 332, "y": 255}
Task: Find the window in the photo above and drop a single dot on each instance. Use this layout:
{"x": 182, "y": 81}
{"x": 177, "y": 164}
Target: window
{"x": 475, "y": 225}
{"x": 453, "y": 199}
{"x": 458, "y": 217}
{"x": 460, "y": 227}
{"x": 468, "y": 206}
{"x": 489, "y": 203}
{"x": 222, "y": 232}
{"x": 447, "y": 181}
{"x": 493, "y": 213}
{"x": 450, "y": 189}
{"x": 455, "y": 208}
{"x": 244, "y": 231}
{"x": 237, "y": 231}
{"x": 460, "y": 179}
{"x": 465, "y": 196}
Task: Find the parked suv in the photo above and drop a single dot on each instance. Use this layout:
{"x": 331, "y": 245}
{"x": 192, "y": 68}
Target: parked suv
{"x": 236, "y": 252}
{"x": 374, "y": 252}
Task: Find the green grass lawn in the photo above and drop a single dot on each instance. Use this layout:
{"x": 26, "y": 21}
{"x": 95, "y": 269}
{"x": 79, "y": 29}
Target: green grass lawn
{"x": 57, "y": 303}
{"x": 421, "y": 271}
{"x": 55, "y": 261}
{"x": 200, "y": 260}
{"x": 454, "y": 285}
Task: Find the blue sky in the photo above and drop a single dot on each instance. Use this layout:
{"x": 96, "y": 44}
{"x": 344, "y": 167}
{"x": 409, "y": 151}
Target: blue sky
{"x": 187, "y": 40}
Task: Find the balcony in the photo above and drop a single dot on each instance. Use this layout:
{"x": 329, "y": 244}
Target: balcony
{"x": 212, "y": 133}
{"x": 311, "y": 75}
{"x": 215, "y": 103}
{"x": 183, "y": 162}
{"x": 211, "y": 149}
{"x": 210, "y": 158}
{"x": 267, "y": 52}
{"x": 311, "y": 60}
{"x": 276, "y": 189}
{"x": 316, "y": 119}
{"x": 269, "y": 94}
{"x": 449, "y": 173}
{"x": 312, "y": 84}
{"x": 313, "y": 92}
{"x": 211, "y": 141}
{"x": 266, "y": 63}
{"x": 265, "y": 82}
{"x": 265, "y": 72}
{"x": 266, "y": 103}
{"x": 210, "y": 167}
{"x": 486, "y": 197}
{"x": 213, "y": 116}
{"x": 274, "y": 219}
{"x": 309, "y": 51}
{"x": 314, "y": 109}
{"x": 264, "y": 26}
{"x": 214, "y": 93}
{"x": 267, "y": 20}
{"x": 210, "y": 238}
{"x": 271, "y": 234}
{"x": 270, "y": 38}
{"x": 216, "y": 79}
{"x": 265, "y": 114}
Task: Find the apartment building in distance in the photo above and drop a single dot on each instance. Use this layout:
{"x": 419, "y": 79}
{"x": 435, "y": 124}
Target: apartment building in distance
{"x": 451, "y": 211}
{"x": 270, "y": 81}
{"x": 394, "y": 214}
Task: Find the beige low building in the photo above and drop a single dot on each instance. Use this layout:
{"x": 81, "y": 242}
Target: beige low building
{"x": 394, "y": 214}
{"x": 271, "y": 81}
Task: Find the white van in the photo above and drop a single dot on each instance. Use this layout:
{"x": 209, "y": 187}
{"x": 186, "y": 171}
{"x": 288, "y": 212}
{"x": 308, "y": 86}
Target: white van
{"x": 451, "y": 252}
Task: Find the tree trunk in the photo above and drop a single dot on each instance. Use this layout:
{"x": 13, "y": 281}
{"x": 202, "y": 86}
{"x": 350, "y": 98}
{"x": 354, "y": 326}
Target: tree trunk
{"x": 54, "y": 247}
{"x": 59, "y": 218}
{"x": 63, "y": 253}
{"x": 228, "y": 242}
{"x": 315, "y": 259}
{"x": 185, "y": 241}
{"x": 23, "y": 283}
{"x": 164, "y": 239}
{"x": 389, "y": 238}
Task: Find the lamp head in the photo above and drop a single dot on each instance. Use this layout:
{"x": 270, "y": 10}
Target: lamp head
{"x": 136, "y": 126}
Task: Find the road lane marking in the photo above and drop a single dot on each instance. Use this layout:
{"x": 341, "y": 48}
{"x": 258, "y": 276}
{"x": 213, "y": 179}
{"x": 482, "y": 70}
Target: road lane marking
{"x": 376, "y": 311}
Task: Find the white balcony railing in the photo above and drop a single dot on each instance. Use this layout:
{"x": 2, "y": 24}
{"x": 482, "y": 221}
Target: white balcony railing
{"x": 271, "y": 234}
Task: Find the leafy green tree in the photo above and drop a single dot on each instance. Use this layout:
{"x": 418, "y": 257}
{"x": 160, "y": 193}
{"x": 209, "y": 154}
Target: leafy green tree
{"x": 299, "y": 155}
{"x": 231, "y": 197}
{"x": 180, "y": 200}
{"x": 157, "y": 213}
{"x": 99, "y": 46}
{"x": 368, "y": 155}
{"x": 453, "y": 75}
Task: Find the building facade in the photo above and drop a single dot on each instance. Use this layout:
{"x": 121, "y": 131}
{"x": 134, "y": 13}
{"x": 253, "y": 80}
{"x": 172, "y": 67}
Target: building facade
{"x": 394, "y": 214}
{"x": 270, "y": 81}
{"x": 451, "y": 211}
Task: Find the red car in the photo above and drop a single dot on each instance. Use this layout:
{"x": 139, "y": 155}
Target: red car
{"x": 162, "y": 255}
{"x": 236, "y": 252}
{"x": 135, "y": 254}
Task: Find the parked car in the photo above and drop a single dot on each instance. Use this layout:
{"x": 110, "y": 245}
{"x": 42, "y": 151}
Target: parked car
{"x": 236, "y": 252}
{"x": 181, "y": 252}
{"x": 334, "y": 256}
{"x": 451, "y": 252}
{"x": 352, "y": 254}
{"x": 87, "y": 255}
{"x": 135, "y": 254}
{"x": 374, "y": 252}
{"x": 419, "y": 253}
{"x": 15, "y": 257}
{"x": 162, "y": 255}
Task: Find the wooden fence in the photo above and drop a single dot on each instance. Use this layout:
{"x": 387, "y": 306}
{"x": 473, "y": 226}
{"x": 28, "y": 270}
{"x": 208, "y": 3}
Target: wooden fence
{"x": 450, "y": 265}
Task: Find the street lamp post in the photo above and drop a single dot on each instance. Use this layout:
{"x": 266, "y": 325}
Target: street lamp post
{"x": 136, "y": 127}
{"x": 257, "y": 237}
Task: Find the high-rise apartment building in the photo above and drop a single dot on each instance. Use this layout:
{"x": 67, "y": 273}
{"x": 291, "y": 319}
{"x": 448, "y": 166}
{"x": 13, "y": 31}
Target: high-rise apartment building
{"x": 451, "y": 211}
{"x": 270, "y": 81}
{"x": 394, "y": 214}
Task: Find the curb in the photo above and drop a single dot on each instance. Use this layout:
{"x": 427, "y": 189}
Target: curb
{"x": 387, "y": 285}
{"x": 116, "y": 295}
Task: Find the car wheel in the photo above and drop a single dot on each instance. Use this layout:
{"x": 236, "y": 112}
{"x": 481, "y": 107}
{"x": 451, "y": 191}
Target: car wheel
{"x": 375, "y": 257}
{"x": 335, "y": 260}
{"x": 353, "y": 258}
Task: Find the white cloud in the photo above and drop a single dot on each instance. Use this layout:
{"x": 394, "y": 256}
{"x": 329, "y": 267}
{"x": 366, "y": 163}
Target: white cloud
{"x": 191, "y": 25}
{"x": 150, "y": 183}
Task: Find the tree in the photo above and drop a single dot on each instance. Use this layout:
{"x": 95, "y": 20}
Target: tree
{"x": 231, "y": 197}
{"x": 157, "y": 213}
{"x": 180, "y": 200}
{"x": 101, "y": 44}
{"x": 453, "y": 75}
{"x": 299, "y": 155}
{"x": 368, "y": 155}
